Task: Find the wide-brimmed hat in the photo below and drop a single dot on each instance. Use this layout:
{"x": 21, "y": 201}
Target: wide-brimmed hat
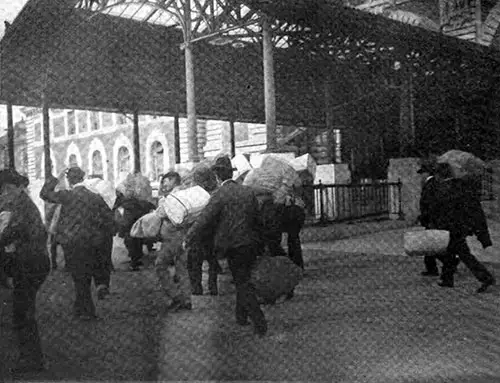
{"x": 75, "y": 173}
{"x": 11, "y": 176}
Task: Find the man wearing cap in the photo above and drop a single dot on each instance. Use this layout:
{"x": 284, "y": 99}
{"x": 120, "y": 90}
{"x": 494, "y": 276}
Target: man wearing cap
{"x": 232, "y": 217}
{"x": 86, "y": 228}
{"x": 24, "y": 257}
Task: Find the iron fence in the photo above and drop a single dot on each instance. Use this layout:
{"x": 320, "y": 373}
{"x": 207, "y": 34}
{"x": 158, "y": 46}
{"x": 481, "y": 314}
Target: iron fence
{"x": 336, "y": 202}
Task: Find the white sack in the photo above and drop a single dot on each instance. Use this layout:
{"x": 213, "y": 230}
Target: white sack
{"x": 183, "y": 206}
{"x": 426, "y": 242}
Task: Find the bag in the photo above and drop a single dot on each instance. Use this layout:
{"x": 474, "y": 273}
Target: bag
{"x": 426, "y": 242}
{"x": 304, "y": 163}
{"x": 147, "y": 226}
{"x": 104, "y": 188}
{"x": 274, "y": 277}
{"x": 136, "y": 186}
{"x": 183, "y": 206}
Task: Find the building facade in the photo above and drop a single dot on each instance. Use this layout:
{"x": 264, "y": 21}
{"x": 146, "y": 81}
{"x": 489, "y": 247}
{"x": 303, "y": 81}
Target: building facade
{"x": 101, "y": 143}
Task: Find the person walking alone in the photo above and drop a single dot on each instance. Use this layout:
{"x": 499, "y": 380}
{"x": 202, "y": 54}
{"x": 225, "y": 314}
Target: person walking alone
{"x": 457, "y": 208}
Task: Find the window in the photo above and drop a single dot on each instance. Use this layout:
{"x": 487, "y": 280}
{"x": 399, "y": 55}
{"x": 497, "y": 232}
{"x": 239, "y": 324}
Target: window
{"x": 121, "y": 119}
{"x": 156, "y": 160}
{"x": 82, "y": 122}
{"x": 58, "y": 126}
{"x": 73, "y": 161}
{"x": 71, "y": 123}
{"x": 240, "y": 131}
{"x": 94, "y": 120}
{"x": 123, "y": 160}
{"x": 97, "y": 165}
{"x": 107, "y": 120}
{"x": 38, "y": 132}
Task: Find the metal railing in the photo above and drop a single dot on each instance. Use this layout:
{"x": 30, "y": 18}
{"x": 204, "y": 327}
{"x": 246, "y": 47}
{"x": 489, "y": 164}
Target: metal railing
{"x": 336, "y": 202}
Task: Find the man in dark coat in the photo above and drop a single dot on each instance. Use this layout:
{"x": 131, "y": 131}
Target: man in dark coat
{"x": 457, "y": 208}
{"x": 232, "y": 216}
{"x": 427, "y": 216}
{"x": 25, "y": 258}
{"x": 86, "y": 230}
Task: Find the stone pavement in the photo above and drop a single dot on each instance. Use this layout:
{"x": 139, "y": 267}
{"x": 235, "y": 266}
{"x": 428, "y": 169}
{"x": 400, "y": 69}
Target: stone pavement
{"x": 362, "y": 314}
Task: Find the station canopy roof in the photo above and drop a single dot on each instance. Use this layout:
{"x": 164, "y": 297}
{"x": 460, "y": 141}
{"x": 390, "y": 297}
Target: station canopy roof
{"x": 126, "y": 56}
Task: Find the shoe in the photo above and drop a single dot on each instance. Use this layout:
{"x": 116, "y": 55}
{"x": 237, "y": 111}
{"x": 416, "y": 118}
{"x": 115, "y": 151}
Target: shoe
{"x": 134, "y": 268}
{"x": 27, "y": 368}
{"x": 485, "y": 286}
{"x": 102, "y": 292}
{"x": 85, "y": 317}
{"x": 429, "y": 273}
{"x": 214, "y": 292}
{"x": 178, "y": 306}
{"x": 197, "y": 292}
{"x": 243, "y": 322}
{"x": 445, "y": 284}
{"x": 260, "y": 330}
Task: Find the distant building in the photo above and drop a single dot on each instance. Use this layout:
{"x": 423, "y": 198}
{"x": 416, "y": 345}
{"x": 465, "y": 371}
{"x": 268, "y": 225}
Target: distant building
{"x": 20, "y": 149}
{"x": 101, "y": 143}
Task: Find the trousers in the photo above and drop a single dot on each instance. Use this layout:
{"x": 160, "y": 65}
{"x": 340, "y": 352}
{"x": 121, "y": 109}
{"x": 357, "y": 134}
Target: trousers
{"x": 241, "y": 261}
{"x": 24, "y": 308}
{"x": 196, "y": 256}
{"x": 458, "y": 246}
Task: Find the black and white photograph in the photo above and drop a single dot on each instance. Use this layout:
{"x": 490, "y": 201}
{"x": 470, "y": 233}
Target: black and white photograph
{"x": 250, "y": 190}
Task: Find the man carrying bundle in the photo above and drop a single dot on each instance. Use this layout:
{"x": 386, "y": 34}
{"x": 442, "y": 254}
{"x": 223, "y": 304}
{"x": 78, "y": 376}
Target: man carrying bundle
{"x": 86, "y": 230}
{"x": 232, "y": 218}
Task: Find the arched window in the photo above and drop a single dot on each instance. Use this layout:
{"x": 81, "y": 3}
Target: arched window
{"x": 123, "y": 162}
{"x": 97, "y": 166}
{"x": 156, "y": 160}
{"x": 73, "y": 161}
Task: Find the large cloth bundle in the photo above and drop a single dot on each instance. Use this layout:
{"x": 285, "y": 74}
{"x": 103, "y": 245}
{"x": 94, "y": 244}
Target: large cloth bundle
{"x": 147, "y": 226}
{"x": 305, "y": 162}
{"x": 426, "y": 242}
{"x": 275, "y": 176}
{"x": 462, "y": 164}
{"x": 137, "y": 186}
{"x": 104, "y": 188}
{"x": 183, "y": 206}
{"x": 274, "y": 277}
{"x": 242, "y": 165}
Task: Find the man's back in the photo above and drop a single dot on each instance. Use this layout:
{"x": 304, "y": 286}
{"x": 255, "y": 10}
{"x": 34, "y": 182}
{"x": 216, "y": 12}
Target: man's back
{"x": 232, "y": 216}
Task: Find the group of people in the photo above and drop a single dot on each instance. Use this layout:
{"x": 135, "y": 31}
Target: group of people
{"x": 453, "y": 204}
{"x": 236, "y": 224}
